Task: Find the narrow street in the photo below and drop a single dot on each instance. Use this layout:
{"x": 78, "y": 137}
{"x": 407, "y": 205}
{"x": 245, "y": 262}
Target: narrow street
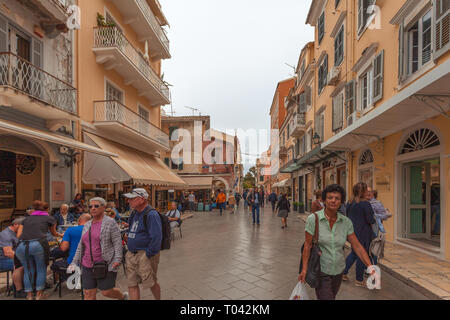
{"x": 229, "y": 258}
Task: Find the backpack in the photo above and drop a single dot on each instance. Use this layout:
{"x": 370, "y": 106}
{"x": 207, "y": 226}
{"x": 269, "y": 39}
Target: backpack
{"x": 165, "y": 241}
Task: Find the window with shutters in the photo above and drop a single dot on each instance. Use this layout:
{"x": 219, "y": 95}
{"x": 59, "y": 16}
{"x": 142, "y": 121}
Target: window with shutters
{"x": 323, "y": 74}
{"x": 302, "y": 103}
{"x": 378, "y": 77}
{"x": 350, "y": 98}
{"x": 321, "y": 27}
{"x": 338, "y": 112}
{"x": 419, "y": 45}
{"x": 319, "y": 126}
{"x": 442, "y": 27}
{"x": 309, "y": 142}
{"x": 365, "y": 89}
{"x": 364, "y": 13}
{"x": 339, "y": 47}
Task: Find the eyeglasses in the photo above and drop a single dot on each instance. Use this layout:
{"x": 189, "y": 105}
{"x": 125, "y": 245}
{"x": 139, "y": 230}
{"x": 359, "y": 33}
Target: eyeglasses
{"x": 95, "y": 206}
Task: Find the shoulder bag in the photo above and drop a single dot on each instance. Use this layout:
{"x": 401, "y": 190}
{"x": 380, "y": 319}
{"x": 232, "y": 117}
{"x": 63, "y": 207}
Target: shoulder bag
{"x": 99, "y": 269}
{"x": 313, "y": 271}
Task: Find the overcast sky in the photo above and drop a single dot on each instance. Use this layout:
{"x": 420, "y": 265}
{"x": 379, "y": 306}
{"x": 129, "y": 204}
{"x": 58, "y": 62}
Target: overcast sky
{"x": 228, "y": 56}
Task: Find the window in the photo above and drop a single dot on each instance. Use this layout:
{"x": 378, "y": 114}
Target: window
{"x": 319, "y": 126}
{"x": 336, "y": 3}
{"x": 365, "y": 89}
{"x": 113, "y": 93}
{"x": 339, "y": 47}
{"x": 144, "y": 113}
{"x": 321, "y": 26}
{"x": 309, "y": 142}
{"x": 338, "y": 112}
{"x": 323, "y": 74}
{"x": 114, "y": 110}
{"x": 442, "y": 27}
{"x": 420, "y": 140}
{"x": 350, "y": 97}
{"x": 302, "y": 105}
{"x": 378, "y": 77}
{"x": 363, "y": 14}
{"x": 419, "y": 43}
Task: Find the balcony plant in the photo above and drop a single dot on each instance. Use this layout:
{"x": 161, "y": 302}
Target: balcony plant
{"x": 101, "y": 21}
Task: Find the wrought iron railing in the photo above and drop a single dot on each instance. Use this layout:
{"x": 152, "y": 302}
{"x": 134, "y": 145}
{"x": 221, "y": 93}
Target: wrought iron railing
{"x": 63, "y": 4}
{"x": 105, "y": 37}
{"x": 299, "y": 120}
{"x": 114, "y": 111}
{"x": 153, "y": 22}
{"x": 22, "y": 75}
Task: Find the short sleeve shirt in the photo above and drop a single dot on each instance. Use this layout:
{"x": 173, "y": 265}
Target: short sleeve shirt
{"x": 8, "y": 238}
{"x": 36, "y": 227}
{"x": 331, "y": 242}
{"x": 73, "y": 236}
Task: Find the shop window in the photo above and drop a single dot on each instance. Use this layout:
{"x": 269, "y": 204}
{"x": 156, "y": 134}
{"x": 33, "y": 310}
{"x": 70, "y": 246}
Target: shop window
{"x": 420, "y": 140}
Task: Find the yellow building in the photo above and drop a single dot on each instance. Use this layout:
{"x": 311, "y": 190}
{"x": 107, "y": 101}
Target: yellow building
{"x": 382, "y": 92}
{"x": 119, "y": 51}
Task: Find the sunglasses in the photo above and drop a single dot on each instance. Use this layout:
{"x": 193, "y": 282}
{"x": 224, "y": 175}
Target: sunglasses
{"x": 95, "y": 206}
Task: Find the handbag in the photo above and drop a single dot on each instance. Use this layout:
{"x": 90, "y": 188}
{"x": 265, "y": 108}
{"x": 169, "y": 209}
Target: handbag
{"x": 313, "y": 272}
{"x": 99, "y": 269}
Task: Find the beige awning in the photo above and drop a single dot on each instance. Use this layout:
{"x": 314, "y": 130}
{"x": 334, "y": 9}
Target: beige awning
{"x": 24, "y": 131}
{"x": 282, "y": 184}
{"x": 199, "y": 183}
{"x": 130, "y": 164}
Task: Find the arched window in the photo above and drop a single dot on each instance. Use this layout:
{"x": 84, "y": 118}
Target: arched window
{"x": 419, "y": 140}
{"x": 366, "y": 158}
{"x": 366, "y": 168}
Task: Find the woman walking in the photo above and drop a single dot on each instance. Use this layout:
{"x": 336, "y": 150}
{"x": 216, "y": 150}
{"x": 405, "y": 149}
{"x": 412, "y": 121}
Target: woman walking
{"x": 33, "y": 250}
{"x": 360, "y": 212}
{"x": 99, "y": 253}
{"x": 283, "y": 207}
{"x": 334, "y": 230}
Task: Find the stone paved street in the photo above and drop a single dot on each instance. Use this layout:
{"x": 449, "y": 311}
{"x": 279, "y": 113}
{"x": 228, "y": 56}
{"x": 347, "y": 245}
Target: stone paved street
{"x": 229, "y": 258}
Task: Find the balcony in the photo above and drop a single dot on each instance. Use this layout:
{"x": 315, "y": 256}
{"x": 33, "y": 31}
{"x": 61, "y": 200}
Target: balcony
{"x": 140, "y": 17}
{"x": 53, "y": 11}
{"x": 283, "y": 151}
{"x": 299, "y": 127}
{"x": 114, "y": 51}
{"x": 30, "y": 89}
{"x": 122, "y": 125}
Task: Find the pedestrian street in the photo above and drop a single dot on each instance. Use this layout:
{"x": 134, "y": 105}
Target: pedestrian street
{"x": 226, "y": 257}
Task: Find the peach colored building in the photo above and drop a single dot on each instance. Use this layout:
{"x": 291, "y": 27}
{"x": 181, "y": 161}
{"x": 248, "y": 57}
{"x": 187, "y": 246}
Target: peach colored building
{"x": 120, "y": 49}
{"x": 382, "y": 98}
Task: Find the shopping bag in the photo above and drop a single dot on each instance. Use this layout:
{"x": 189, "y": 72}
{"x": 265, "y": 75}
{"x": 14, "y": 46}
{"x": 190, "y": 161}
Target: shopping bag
{"x": 299, "y": 293}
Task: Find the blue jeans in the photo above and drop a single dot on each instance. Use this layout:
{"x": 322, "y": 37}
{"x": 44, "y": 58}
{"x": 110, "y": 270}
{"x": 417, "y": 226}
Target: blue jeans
{"x": 255, "y": 208}
{"x": 36, "y": 266}
{"x": 221, "y": 207}
{"x": 360, "y": 266}
{"x": 245, "y": 205}
{"x": 6, "y": 264}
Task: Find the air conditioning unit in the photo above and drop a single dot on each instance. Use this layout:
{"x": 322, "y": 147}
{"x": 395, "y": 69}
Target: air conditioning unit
{"x": 333, "y": 76}
{"x": 351, "y": 119}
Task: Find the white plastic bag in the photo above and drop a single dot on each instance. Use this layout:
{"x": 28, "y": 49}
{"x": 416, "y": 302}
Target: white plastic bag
{"x": 299, "y": 293}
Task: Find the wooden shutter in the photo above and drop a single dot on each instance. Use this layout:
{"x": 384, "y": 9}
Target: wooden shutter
{"x": 37, "y": 53}
{"x": 308, "y": 95}
{"x": 302, "y": 105}
{"x": 337, "y": 112}
{"x": 378, "y": 77}
{"x": 4, "y": 45}
{"x": 317, "y": 124}
{"x": 350, "y": 98}
{"x": 401, "y": 53}
{"x": 322, "y": 127}
{"x": 442, "y": 27}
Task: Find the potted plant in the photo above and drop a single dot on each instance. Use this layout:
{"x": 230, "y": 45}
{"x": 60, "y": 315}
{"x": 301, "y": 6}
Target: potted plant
{"x": 296, "y": 205}
{"x": 301, "y": 207}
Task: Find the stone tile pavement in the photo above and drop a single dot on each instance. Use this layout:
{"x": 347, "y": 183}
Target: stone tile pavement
{"x": 227, "y": 258}
{"x": 426, "y": 274}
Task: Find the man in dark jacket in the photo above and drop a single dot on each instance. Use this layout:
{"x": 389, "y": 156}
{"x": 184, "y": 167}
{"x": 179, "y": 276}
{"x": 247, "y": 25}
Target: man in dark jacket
{"x": 254, "y": 199}
{"x": 273, "y": 200}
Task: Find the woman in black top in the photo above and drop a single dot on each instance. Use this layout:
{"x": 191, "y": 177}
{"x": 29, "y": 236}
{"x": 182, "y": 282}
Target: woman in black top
{"x": 33, "y": 249}
{"x": 361, "y": 213}
{"x": 283, "y": 207}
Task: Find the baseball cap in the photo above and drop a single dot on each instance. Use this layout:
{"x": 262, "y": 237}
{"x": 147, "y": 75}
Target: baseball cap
{"x": 137, "y": 193}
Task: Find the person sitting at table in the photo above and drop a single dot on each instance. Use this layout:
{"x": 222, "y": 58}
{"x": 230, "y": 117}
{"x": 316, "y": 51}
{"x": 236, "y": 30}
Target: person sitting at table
{"x": 69, "y": 245}
{"x": 63, "y": 216}
{"x": 8, "y": 259}
{"x": 112, "y": 206}
{"x": 174, "y": 217}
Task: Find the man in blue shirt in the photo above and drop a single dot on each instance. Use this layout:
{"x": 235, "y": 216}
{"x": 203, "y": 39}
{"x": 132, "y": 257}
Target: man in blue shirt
{"x": 70, "y": 242}
{"x": 144, "y": 245}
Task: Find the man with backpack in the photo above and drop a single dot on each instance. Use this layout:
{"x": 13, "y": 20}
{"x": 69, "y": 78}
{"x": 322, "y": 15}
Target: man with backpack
{"x": 147, "y": 236}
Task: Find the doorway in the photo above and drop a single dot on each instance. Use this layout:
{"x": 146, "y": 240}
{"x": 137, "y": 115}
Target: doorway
{"x": 422, "y": 201}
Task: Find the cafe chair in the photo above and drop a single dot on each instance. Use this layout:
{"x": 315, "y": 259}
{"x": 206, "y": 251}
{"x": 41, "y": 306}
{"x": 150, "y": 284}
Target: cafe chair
{"x": 9, "y": 288}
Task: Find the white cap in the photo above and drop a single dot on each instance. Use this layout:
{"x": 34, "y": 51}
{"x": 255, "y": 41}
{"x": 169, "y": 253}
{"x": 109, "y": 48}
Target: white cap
{"x": 137, "y": 193}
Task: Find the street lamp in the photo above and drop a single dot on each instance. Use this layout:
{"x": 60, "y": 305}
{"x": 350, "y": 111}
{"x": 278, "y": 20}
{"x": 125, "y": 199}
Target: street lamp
{"x": 316, "y": 138}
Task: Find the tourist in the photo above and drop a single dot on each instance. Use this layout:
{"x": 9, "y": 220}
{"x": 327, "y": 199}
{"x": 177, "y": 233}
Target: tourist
{"x": 8, "y": 259}
{"x": 144, "y": 245}
{"x": 116, "y": 215}
{"x": 221, "y": 201}
{"x": 99, "y": 253}
{"x": 191, "y": 199}
{"x": 361, "y": 214}
{"x": 78, "y": 200}
{"x": 69, "y": 244}
{"x": 318, "y": 204}
{"x": 33, "y": 250}
{"x": 63, "y": 217}
{"x": 334, "y": 230}
{"x": 283, "y": 207}
{"x": 232, "y": 203}
{"x": 254, "y": 200}
{"x": 273, "y": 200}
{"x": 174, "y": 217}
{"x": 244, "y": 196}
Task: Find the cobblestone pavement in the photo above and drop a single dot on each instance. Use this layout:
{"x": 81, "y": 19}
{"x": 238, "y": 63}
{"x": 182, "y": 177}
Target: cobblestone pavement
{"x": 226, "y": 257}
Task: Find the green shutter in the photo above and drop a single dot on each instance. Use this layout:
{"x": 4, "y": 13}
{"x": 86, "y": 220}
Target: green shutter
{"x": 378, "y": 77}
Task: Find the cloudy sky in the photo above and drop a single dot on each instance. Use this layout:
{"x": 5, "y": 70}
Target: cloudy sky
{"x": 228, "y": 56}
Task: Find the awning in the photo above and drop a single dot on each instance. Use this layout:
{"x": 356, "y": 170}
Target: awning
{"x": 130, "y": 164}
{"x": 24, "y": 131}
{"x": 199, "y": 183}
{"x": 424, "y": 99}
{"x": 282, "y": 184}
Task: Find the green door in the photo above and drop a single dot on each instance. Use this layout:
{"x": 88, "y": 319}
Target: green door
{"x": 418, "y": 215}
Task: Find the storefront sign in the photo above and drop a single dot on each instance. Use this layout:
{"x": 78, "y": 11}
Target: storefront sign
{"x": 383, "y": 181}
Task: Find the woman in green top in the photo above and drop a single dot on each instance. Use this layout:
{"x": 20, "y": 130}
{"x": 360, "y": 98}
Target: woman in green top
{"x": 334, "y": 230}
